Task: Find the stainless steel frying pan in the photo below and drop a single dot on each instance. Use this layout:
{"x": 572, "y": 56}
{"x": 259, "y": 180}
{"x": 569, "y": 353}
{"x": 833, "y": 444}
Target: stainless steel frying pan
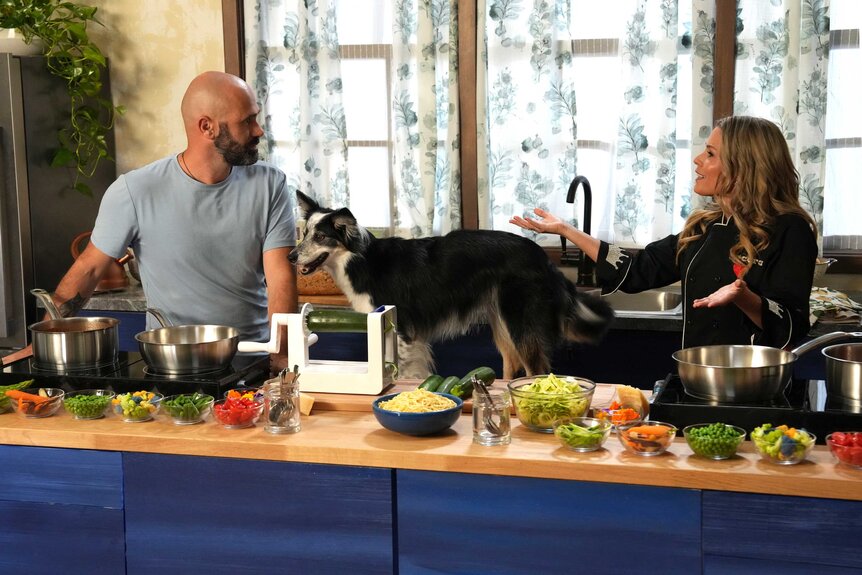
{"x": 742, "y": 373}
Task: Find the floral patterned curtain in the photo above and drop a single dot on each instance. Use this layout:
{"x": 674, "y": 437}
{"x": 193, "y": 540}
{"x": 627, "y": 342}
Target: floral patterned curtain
{"x": 294, "y": 67}
{"x": 662, "y": 106}
{"x": 293, "y": 55}
{"x": 528, "y": 118}
{"x": 426, "y": 155}
{"x": 781, "y": 71}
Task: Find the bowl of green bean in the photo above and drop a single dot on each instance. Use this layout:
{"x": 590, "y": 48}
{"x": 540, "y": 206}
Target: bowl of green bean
{"x": 582, "y": 434}
{"x": 714, "y": 440}
{"x": 88, "y": 403}
{"x": 188, "y": 408}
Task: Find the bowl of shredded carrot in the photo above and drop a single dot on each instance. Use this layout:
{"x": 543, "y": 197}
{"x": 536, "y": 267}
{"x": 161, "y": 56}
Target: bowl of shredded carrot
{"x": 36, "y": 402}
{"x": 646, "y": 437}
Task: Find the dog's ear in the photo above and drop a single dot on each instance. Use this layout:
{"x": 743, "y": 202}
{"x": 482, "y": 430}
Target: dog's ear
{"x": 343, "y": 218}
{"x": 306, "y": 204}
{"x": 345, "y": 225}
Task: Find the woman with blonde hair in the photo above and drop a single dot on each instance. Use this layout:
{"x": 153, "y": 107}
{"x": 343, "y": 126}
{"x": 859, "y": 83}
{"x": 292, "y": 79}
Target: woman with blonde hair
{"x": 745, "y": 262}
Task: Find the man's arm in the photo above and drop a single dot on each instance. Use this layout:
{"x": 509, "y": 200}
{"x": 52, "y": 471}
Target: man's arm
{"x": 281, "y": 292}
{"x": 78, "y": 284}
{"x": 280, "y": 281}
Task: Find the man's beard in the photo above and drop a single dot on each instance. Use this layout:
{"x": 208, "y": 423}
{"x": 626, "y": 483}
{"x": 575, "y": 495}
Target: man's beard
{"x": 234, "y": 153}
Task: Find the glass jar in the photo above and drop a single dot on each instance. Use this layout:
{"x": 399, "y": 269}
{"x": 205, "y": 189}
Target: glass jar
{"x": 281, "y": 407}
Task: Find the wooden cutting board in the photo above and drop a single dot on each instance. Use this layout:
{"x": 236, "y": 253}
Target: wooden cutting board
{"x": 350, "y": 402}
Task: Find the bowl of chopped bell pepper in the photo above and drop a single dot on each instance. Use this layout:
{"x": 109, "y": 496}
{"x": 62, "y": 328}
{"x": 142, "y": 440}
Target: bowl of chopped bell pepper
{"x": 616, "y": 414}
{"x": 237, "y": 412}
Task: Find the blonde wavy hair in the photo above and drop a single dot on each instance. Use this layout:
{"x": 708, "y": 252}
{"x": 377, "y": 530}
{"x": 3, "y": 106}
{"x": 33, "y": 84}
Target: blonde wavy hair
{"x": 758, "y": 182}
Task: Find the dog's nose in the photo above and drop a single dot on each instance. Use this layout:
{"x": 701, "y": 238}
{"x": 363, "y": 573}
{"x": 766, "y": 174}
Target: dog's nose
{"x": 292, "y": 256}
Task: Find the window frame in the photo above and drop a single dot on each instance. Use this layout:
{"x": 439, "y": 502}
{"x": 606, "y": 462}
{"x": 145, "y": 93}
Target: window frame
{"x": 849, "y": 261}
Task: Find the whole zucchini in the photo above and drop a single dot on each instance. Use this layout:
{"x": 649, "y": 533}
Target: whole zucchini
{"x": 464, "y": 387}
{"x": 432, "y": 382}
{"x": 336, "y": 321}
{"x": 448, "y": 384}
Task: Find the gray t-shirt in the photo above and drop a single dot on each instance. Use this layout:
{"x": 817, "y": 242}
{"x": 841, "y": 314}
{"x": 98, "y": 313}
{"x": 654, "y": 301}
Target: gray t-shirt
{"x": 200, "y": 247}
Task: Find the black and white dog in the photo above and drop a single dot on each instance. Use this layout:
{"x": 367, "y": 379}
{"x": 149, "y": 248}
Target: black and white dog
{"x": 442, "y": 286}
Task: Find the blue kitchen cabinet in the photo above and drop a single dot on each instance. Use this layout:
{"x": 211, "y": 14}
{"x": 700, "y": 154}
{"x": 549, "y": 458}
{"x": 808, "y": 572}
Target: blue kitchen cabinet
{"x": 61, "y": 511}
{"x": 190, "y": 515}
{"x": 765, "y": 534}
{"x": 479, "y": 524}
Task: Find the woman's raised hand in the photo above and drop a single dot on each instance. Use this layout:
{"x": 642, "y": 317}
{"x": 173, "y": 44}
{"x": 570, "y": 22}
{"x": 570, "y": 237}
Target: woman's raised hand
{"x": 548, "y": 224}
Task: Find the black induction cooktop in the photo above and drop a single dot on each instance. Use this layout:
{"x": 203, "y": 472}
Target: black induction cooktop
{"x": 130, "y": 373}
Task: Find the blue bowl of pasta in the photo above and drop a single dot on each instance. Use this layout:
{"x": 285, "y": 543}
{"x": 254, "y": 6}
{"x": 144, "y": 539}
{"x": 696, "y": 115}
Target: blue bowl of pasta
{"x": 417, "y": 412}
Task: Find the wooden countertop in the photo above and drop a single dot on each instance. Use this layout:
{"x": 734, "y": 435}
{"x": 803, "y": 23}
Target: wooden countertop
{"x": 355, "y": 438}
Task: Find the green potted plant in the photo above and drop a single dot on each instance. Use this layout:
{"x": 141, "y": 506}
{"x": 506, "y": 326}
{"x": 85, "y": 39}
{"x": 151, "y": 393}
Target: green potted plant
{"x": 61, "y": 27}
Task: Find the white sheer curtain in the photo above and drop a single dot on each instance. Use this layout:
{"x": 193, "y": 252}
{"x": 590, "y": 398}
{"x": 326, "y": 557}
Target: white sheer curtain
{"x": 370, "y": 122}
{"x": 631, "y": 104}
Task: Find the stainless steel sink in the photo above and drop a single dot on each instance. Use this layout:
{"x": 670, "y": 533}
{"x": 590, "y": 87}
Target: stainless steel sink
{"x": 651, "y": 302}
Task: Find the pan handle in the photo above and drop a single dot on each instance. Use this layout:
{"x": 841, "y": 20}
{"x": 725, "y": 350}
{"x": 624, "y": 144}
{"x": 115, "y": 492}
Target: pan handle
{"x": 48, "y": 302}
{"x": 23, "y": 353}
{"x": 824, "y": 339}
{"x": 160, "y": 316}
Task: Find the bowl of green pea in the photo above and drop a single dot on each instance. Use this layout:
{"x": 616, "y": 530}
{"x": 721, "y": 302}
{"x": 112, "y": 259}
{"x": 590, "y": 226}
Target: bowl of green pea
{"x": 88, "y": 403}
{"x": 714, "y": 440}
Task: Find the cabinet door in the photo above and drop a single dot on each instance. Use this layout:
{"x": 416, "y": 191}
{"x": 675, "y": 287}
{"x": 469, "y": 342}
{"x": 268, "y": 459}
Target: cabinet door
{"x": 61, "y": 511}
{"x": 814, "y": 534}
{"x": 131, "y": 324}
{"x": 459, "y": 523}
{"x": 189, "y": 515}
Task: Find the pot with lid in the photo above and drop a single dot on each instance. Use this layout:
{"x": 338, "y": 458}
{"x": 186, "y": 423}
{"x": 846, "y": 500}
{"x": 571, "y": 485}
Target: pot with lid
{"x": 186, "y": 349}
{"x": 742, "y": 373}
{"x": 73, "y": 342}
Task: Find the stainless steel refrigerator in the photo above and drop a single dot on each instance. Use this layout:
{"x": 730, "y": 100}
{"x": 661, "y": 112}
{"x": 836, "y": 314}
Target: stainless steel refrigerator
{"x": 40, "y": 213}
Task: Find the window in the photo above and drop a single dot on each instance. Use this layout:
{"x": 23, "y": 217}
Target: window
{"x": 366, "y": 48}
{"x": 842, "y": 227}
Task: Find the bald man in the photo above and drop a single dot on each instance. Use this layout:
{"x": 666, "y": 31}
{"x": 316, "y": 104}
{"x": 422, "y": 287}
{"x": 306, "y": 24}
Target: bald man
{"x": 211, "y": 227}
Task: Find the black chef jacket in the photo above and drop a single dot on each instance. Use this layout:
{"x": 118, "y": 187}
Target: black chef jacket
{"x": 782, "y": 276}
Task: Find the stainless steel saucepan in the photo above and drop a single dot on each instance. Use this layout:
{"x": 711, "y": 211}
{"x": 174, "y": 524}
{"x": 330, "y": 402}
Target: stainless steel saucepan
{"x": 185, "y": 349}
{"x": 64, "y": 343}
{"x": 742, "y": 373}
{"x": 844, "y": 372}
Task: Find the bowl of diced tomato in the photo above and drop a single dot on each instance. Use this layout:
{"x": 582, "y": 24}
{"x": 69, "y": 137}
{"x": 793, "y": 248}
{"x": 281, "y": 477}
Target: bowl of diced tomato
{"x": 846, "y": 446}
{"x": 237, "y": 412}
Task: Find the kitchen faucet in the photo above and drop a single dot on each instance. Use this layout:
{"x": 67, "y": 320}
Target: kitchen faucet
{"x": 586, "y": 268}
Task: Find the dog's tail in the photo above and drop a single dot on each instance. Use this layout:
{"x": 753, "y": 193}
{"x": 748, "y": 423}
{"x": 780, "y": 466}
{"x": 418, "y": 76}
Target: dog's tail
{"x": 589, "y": 317}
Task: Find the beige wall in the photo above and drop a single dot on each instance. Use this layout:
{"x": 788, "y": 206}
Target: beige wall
{"x": 155, "y": 49}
